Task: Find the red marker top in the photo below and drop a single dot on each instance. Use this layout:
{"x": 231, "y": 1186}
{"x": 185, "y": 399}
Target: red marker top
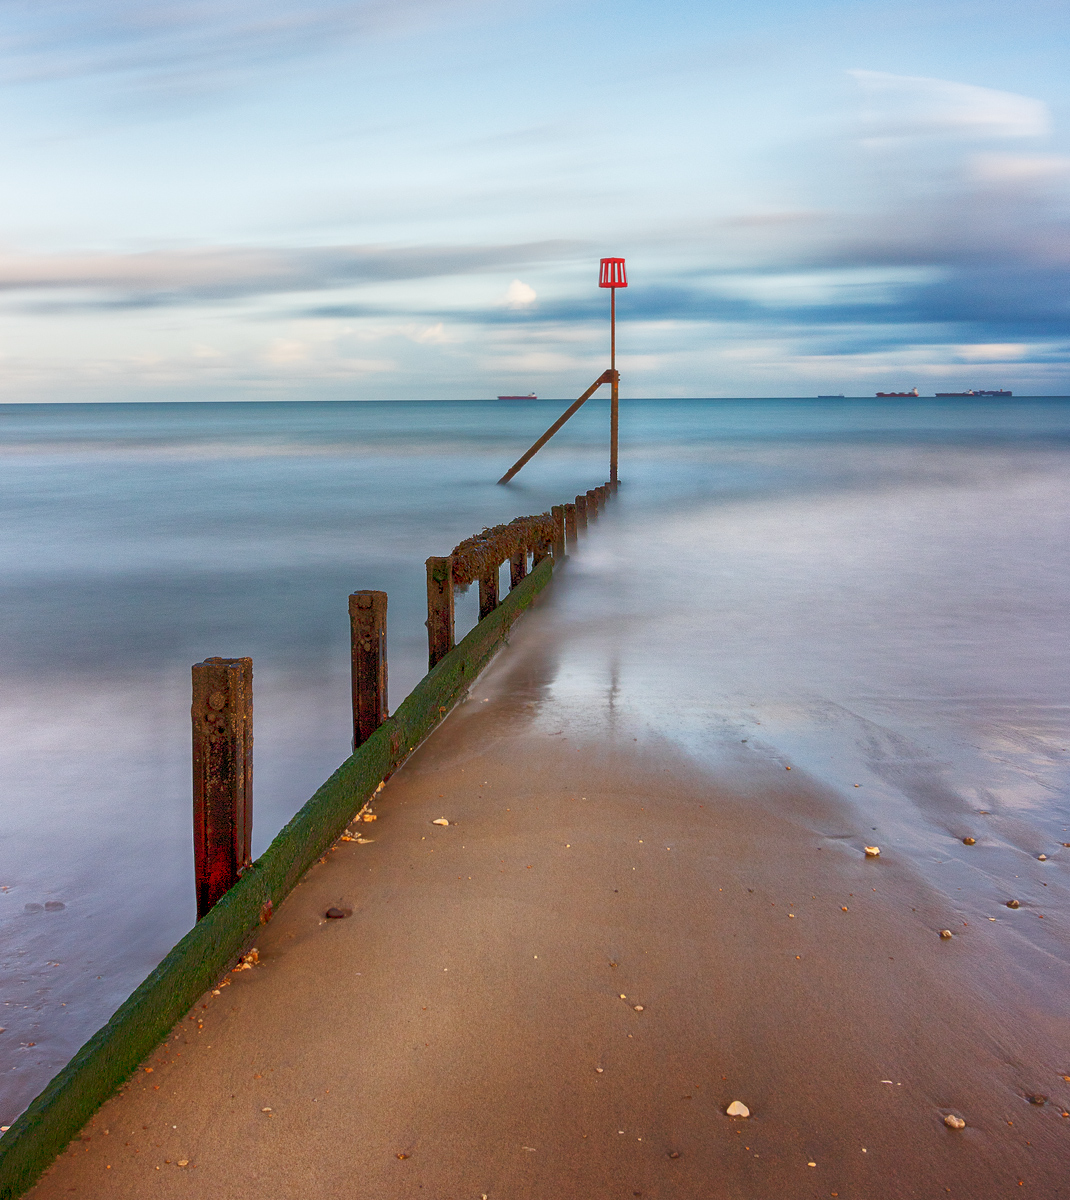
{"x": 611, "y": 273}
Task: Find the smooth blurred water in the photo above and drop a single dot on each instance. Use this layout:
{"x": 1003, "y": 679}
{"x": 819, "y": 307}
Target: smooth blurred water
{"x": 874, "y": 589}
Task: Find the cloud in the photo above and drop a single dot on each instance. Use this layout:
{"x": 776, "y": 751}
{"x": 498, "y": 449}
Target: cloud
{"x": 220, "y": 273}
{"x": 1018, "y": 169}
{"x": 907, "y": 106}
{"x": 519, "y": 295}
{"x": 191, "y": 43}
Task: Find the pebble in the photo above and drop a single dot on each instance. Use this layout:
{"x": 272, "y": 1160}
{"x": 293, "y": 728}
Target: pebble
{"x": 335, "y": 913}
{"x": 54, "y": 906}
{"x": 1038, "y": 1099}
{"x": 953, "y": 1122}
{"x": 737, "y": 1109}
{"x": 873, "y": 851}
{"x": 440, "y": 821}
{"x": 1042, "y": 858}
{"x": 674, "y": 1153}
{"x": 969, "y": 841}
{"x": 945, "y": 933}
{"x": 638, "y": 1008}
{"x": 1013, "y": 904}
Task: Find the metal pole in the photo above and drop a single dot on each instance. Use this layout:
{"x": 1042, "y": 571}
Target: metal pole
{"x": 613, "y": 412}
{"x": 367, "y": 629}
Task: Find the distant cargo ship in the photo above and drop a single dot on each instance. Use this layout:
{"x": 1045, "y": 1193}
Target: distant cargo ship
{"x": 838, "y": 396}
{"x": 888, "y": 395}
{"x": 529, "y": 396}
{"x": 989, "y": 392}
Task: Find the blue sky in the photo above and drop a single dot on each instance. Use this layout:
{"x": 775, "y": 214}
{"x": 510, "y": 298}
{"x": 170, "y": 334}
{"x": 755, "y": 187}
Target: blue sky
{"x": 408, "y": 199}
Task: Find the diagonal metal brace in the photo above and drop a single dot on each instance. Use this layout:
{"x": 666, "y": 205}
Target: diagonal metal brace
{"x": 605, "y": 377}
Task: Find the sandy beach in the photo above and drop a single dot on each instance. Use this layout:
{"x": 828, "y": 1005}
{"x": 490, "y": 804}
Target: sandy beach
{"x": 560, "y": 993}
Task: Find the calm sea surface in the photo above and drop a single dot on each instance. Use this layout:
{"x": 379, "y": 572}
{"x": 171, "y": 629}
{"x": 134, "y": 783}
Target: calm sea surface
{"x": 875, "y": 590}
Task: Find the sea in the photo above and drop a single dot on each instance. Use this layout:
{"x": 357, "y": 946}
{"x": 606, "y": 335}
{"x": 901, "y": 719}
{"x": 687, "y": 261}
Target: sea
{"x": 875, "y": 591}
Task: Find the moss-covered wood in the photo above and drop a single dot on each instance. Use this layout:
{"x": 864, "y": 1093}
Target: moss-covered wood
{"x": 201, "y": 958}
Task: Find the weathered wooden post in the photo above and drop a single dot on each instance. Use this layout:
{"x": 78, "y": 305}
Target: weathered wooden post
{"x": 367, "y": 630}
{"x": 488, "y": 592}
{"x": 570, "y": 525}
{"x": 222, "y": 714}
{"x": 557, "y": 513}
{"x": 518, "y": 569}
{"x": 581, "y": 514}
{"x": 541, "y": 551}
{"x": 592, "y": 504}
{"x": 439, "y": 609}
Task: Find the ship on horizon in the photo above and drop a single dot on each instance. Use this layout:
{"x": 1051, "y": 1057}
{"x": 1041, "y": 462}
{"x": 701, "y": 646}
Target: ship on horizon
{"x": 977, "y": 392}
{"x": 888, "y": 395}
{"x": 529, "y": 396}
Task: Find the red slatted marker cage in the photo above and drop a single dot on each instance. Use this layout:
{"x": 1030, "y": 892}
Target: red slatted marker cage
{"x": 612, "y": 275}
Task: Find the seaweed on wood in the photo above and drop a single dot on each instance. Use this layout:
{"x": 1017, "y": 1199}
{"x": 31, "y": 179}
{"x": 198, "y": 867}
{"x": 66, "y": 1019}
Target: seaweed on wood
{"x": 480, "y": 556}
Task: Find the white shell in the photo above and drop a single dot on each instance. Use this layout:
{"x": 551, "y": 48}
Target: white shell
{"x": 737, "y": 1109}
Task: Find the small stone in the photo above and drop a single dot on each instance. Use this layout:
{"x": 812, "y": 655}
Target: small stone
{"x": 33, "y": 907}
{"x": 440, "y": 821}
{"x": 674, "y": 1153}
{"x": 945, "y": 933}
{"x": 737, "y": 1109}
{"x": 969, "y": 841}
{"x": 1042, "y": 858}
{"x": 953, "y": 1122}
{"x": 183, "y": 1162}
{"x": 1013, "y": 904}
{"x": 335, "y": 913}
{"x": 1038, "y": 1099}
{"x": 54, "y": 906}
{"x": 873, "y": 851}
{"x": 370, "y": 817}
{"x": 638, "y": 1008}
{"x": 402, "y": 1156}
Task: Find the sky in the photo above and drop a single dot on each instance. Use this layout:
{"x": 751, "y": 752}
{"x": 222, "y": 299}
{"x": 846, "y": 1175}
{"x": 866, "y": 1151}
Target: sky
{"x": 408, "y": 199}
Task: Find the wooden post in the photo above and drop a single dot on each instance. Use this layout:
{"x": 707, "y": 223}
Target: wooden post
{"x": 367, "y": 630}
{"x": 222, "y": 714}
{"x": 570, "y": 525}
{"x": 488, "y": 593}
{"x": 518, "y": 568}
{"x": 592, "y": 504}
{"x": 439, "y": 609}
{"x": 541, "y": 551}
{"x": 558, "y": 515}
{"x": 581, "y": 514}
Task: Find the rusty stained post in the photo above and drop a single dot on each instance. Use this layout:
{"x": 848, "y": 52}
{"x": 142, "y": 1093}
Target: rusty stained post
{"x": 440, "y": 624}
{"x": 222, "y": 714}
{"x": 570, "y": 525}
{"x": 558, "y": 515}
{"x": 488, "y": 593}
{"x": 541, "y": 551}
{"x": 581, "y": 514}
{"x": 367, "y": 629}
{"x": 518, "y": 568}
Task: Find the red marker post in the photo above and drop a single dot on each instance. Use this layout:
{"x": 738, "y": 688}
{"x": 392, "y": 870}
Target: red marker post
{"x": 611, "y": 274}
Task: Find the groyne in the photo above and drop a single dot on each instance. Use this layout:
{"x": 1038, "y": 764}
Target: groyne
{"x": 229, "y": 925}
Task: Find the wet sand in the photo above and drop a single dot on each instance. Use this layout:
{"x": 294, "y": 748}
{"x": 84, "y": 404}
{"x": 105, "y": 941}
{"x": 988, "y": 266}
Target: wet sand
{"x": 560, "y": 993}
